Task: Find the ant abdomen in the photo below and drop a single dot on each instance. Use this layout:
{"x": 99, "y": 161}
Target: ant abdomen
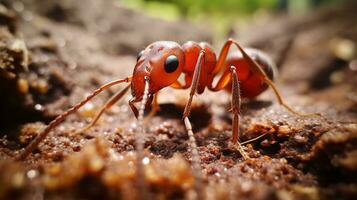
{"x": 251, "y": 84}
{"x": 265, "y": 61}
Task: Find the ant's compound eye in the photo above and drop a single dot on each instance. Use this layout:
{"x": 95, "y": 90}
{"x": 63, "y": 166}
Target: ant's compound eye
{"x": 139, "y": 55}
{"x": 171, "y": 64}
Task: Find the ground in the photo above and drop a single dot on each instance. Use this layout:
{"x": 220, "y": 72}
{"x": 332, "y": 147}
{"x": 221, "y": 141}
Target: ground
{"x": 55, "y": 54}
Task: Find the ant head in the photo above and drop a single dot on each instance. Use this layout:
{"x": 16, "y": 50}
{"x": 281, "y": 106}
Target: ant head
{"x": 161, "y": 62}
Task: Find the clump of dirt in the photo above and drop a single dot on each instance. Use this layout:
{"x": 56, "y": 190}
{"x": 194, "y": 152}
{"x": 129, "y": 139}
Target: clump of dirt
{"x": 33, "y": 74}
{"x": 110, "y": 174}
{"x": 55, "y": 53}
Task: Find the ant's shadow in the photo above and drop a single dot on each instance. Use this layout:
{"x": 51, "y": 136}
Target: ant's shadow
{"x": 256, "y": 104}
{"x": 200, "y": 116}
{"x": 248, "y": 107}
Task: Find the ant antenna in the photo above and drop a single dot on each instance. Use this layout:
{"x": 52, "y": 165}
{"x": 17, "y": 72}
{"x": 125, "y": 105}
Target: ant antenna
{"x": 59, "y": 119}
{"x": 140, "y": 123}
{"x": 143, "y": 193}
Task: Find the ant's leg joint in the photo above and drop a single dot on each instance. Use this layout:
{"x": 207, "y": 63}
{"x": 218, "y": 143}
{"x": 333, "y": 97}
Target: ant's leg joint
{"x": 187, "y": 123}
{"x": 238, "y": 146}
{"x": 232, "y": 68}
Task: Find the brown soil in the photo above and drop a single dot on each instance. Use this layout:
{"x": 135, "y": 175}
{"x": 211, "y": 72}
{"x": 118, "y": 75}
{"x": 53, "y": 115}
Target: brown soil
{"x": 53, "y": 54}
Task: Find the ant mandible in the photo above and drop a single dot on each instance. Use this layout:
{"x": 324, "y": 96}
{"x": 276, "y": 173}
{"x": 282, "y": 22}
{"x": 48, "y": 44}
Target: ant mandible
{"x": 246, "y": 74}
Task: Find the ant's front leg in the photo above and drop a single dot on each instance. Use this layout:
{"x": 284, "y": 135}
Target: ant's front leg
{"x": 154, "y": 108}
{"x": 115, "y": 98}
{"x": 135, "y": 100}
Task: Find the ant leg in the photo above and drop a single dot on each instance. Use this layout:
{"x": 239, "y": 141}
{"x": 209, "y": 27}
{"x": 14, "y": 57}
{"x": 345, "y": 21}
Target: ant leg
{"x": 178, "y": 85}
{"x": 133, "y": 108}
{"x": 194, "y": 85}
{"x": 254, "y": 66}
{"x": 54, "y": 123}
{"x": 229, "y": 74}
{"x": 192, "y": 141}
{"x": 220, "y": 66}
{"x": 115, "y": 98}
{"x": 155, "y": 107}
{"x": 253, "y": 139}
{"x": 236, "y": 103}
{"x": 257, "y": 69}
{"x": 282, "y": 102}
{"x": 223, "y": 81}
{"x": 195, "y": 159}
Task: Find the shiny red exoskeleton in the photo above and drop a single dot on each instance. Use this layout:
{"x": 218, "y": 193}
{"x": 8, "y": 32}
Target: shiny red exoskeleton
{"x": 243, "y": 72}
{"x": 164, "y": 61}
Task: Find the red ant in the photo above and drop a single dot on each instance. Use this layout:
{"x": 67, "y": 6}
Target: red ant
{"x": 245, "y": 74}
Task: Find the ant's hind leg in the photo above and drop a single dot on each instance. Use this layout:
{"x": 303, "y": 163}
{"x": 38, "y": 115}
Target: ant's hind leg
{"x": 286, "y": 106}
{"x": 115, "y": 98}
{"x": 236, "y": 103}
{"x": 256, "y": 68}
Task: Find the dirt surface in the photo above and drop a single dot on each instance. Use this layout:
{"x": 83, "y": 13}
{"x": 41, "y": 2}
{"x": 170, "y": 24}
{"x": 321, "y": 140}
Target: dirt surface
{"x": 53, "y": 54}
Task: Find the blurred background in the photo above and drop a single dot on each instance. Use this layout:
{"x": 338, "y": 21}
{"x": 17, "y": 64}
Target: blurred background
{"x": 227, "y": 17}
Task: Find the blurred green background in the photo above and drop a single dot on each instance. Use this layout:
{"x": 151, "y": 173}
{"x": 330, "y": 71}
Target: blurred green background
{"x": 224, "y": 16}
